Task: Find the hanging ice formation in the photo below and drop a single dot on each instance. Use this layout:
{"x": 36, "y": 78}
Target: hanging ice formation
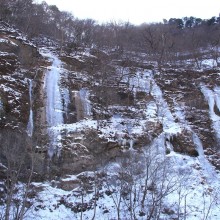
{"x": 54, "y": 107}
{"x": 30, "y": 125}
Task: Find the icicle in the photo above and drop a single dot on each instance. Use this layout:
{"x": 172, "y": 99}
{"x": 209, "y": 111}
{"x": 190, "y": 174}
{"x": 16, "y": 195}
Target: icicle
{"x": 84, "y": 97}
{"x": 66, "y": 101}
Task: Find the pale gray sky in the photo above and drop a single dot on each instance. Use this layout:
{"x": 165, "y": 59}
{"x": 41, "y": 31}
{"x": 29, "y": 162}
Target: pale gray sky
{"x": 138, "y": 11}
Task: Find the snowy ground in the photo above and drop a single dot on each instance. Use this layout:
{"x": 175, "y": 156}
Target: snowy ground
{"x": 195, "y": 193}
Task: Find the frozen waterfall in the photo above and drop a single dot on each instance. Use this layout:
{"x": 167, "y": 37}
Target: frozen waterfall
{"x": 54, "y": 107}
{"x": 54, "y": 101}
{"x": 30, "y": 125}
{"x": 163, "y": 111}
{"x": 213, "y": 99}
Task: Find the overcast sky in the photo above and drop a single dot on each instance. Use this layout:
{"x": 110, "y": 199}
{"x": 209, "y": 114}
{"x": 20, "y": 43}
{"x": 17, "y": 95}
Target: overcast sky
{"x": 138, "y": 11}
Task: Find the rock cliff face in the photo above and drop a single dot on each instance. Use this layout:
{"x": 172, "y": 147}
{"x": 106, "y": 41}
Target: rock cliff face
{"x": 130, "y": 111}
{"x": 18, "y": 62}
{"x": 106, "y": 105}
{"x": 65, "y": 114}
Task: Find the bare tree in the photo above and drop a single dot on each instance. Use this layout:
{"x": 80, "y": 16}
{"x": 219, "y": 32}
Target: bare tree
{"x": 214, "y": 43}
{"x": 158, "y": 42}
{"x": 19, "y": 156}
